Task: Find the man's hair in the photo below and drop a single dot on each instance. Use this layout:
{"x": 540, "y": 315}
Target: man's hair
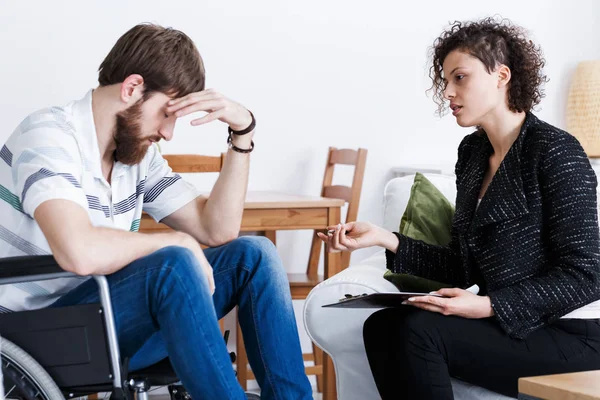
{"x": 493, "y": 41}
{"x": 166, "y": 58}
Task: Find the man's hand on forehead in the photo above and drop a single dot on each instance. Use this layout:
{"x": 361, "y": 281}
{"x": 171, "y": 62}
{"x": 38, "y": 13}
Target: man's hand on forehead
{"x": 216, "y": 105}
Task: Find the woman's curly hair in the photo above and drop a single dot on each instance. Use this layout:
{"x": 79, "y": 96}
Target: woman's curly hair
{"x": 494, "y": 41}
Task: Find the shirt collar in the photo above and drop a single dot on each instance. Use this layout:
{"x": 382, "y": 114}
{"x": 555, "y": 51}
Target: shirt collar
{"x": 82, "y": 110}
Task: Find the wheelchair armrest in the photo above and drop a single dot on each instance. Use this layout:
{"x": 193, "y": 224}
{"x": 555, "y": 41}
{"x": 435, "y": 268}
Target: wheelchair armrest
{"x": 37, "y": 268}
{"x": 30, "y": 268}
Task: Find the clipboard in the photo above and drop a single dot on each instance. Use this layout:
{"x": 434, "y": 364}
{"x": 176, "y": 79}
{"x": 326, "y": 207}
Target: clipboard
{"x": 377, "y": 300}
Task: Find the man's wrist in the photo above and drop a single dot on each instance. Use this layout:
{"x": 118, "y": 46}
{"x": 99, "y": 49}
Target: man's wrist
{"x": 244, "y": 124}
{"x": 243, "y": 142}
{"x": 176, "y": 238}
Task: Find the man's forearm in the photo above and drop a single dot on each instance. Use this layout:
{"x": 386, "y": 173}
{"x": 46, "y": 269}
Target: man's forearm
{"x": 222, "y": 213}
{"x": 103, "y": 251}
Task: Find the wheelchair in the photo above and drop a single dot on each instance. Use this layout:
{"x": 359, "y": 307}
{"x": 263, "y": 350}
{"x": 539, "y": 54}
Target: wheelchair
{"x": 69, "y": 352}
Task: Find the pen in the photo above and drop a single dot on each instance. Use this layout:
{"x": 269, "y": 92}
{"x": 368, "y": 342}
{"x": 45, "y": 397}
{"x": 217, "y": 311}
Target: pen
{"x": 473, "y": 289}
{"x": 331, "y": 232}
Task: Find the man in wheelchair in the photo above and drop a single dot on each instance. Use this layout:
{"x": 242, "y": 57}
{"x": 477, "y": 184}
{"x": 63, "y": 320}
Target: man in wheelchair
{"x": 75, "y": 180}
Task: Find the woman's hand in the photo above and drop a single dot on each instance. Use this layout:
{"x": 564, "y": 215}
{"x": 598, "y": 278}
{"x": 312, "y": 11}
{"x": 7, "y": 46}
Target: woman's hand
{"x": 356, "y": 235}
{"x": 459, "y": 302}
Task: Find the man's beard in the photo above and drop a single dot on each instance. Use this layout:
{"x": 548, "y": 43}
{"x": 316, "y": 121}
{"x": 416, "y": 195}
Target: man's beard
{"x": 132, "y": 146}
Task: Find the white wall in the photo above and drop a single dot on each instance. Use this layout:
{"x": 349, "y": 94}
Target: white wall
{"x": 315, "y": 73}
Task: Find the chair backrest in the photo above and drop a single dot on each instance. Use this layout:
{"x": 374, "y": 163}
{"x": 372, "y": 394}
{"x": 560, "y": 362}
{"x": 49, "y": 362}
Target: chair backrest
{"x": 350, "y": 194}
{"x": 183, "y": 163}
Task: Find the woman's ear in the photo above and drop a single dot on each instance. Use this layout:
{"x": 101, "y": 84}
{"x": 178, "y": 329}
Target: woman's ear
{"x": 504, "y": 75}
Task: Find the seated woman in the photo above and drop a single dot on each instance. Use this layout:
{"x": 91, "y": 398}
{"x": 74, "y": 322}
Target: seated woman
{"x": 525, "y": 231}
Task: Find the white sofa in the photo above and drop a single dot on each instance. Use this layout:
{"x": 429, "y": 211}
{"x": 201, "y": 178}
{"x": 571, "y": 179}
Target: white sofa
{"x": 339, "y": 331}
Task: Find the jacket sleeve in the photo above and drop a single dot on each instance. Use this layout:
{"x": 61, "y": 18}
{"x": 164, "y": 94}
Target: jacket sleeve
{"x": 572, "y": 276}
{"x": 415, "y": 257}
{"x": 439, "y": 263}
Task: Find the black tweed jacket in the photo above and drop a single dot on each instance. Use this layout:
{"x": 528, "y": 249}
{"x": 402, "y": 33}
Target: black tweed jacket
{"x": 533, "y": 244}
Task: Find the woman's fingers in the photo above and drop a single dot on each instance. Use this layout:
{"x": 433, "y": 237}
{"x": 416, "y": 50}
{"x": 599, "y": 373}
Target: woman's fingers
{"x": 430, "y": 303}
{"x": 451, "y": 292}
{"x": 323, "y": 237}
{"x": 329, "y": 240}
{"x": 342, "y": 237}
{"x": 335, "y": 237}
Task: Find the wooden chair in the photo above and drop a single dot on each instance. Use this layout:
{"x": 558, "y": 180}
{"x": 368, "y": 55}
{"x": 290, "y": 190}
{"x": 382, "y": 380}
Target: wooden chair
{"x": 184, "y": 163}
{"x": 302, "y": 284}
{"x": 190, "y": 163}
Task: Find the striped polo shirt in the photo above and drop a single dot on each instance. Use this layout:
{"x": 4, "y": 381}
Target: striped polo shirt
{"x": 54, "y": 154}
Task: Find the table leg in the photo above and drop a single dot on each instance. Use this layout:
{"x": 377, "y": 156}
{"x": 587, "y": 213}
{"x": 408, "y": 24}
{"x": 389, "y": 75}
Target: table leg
{"x": 272, "y": 236}
{"x": 333, "y": 261}
{"x": 332, "y": 266}
{"x": 242, "y": 357}
{"x": 329, "y": 388}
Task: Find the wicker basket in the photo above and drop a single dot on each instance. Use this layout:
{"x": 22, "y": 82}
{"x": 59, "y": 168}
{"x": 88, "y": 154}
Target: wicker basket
{"x": 583, "y": 107}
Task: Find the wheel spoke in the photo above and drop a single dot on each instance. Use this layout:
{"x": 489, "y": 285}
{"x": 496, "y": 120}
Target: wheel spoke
{"x": 22, "y": 384}
{"x": 11, "y": 389}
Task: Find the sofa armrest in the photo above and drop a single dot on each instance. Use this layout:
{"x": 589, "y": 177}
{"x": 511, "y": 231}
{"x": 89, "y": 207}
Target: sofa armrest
{"x": 364, "y": 277}
{"x": 338, "y": 331}
{"x": 367, "y": 274}
{"x": 30, "y": 268}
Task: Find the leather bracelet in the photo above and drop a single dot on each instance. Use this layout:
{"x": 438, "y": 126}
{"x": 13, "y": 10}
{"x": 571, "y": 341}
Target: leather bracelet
{"x": 249, "y": 129}
{"x": 235, "y": 148}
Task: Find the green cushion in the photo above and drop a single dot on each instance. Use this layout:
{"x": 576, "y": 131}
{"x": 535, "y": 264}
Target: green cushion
{"x": 428, "y": 217}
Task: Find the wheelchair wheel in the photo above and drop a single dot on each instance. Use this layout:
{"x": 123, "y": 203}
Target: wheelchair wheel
{"x": 23, "y": 377}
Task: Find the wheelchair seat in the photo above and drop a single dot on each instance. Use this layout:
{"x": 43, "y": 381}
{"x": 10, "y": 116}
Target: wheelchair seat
{"x": 159, "y": 374}
{"x": 73, "y": 350}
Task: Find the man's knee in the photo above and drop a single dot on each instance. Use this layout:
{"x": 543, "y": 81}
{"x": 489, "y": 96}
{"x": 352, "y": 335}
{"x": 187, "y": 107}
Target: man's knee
{"x": 174, "y": 256}
{"x": 259, "y": 255}
{"x": 258, "y": 245}
{"x": 174, "y": 262}
{"x": 255, "y": 249}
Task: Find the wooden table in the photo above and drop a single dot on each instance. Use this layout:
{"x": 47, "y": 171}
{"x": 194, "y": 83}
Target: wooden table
{"x": 276, "y": 211}
{"x": 579, "y": 385}
{"x": 264, "y": 211}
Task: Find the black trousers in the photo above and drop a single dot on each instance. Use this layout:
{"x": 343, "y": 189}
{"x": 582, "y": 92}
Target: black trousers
{"x": 413, "y": 353}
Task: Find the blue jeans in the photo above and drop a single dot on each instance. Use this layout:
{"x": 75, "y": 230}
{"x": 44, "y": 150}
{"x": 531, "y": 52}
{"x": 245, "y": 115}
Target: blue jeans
{"x": 163, "y": 307}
